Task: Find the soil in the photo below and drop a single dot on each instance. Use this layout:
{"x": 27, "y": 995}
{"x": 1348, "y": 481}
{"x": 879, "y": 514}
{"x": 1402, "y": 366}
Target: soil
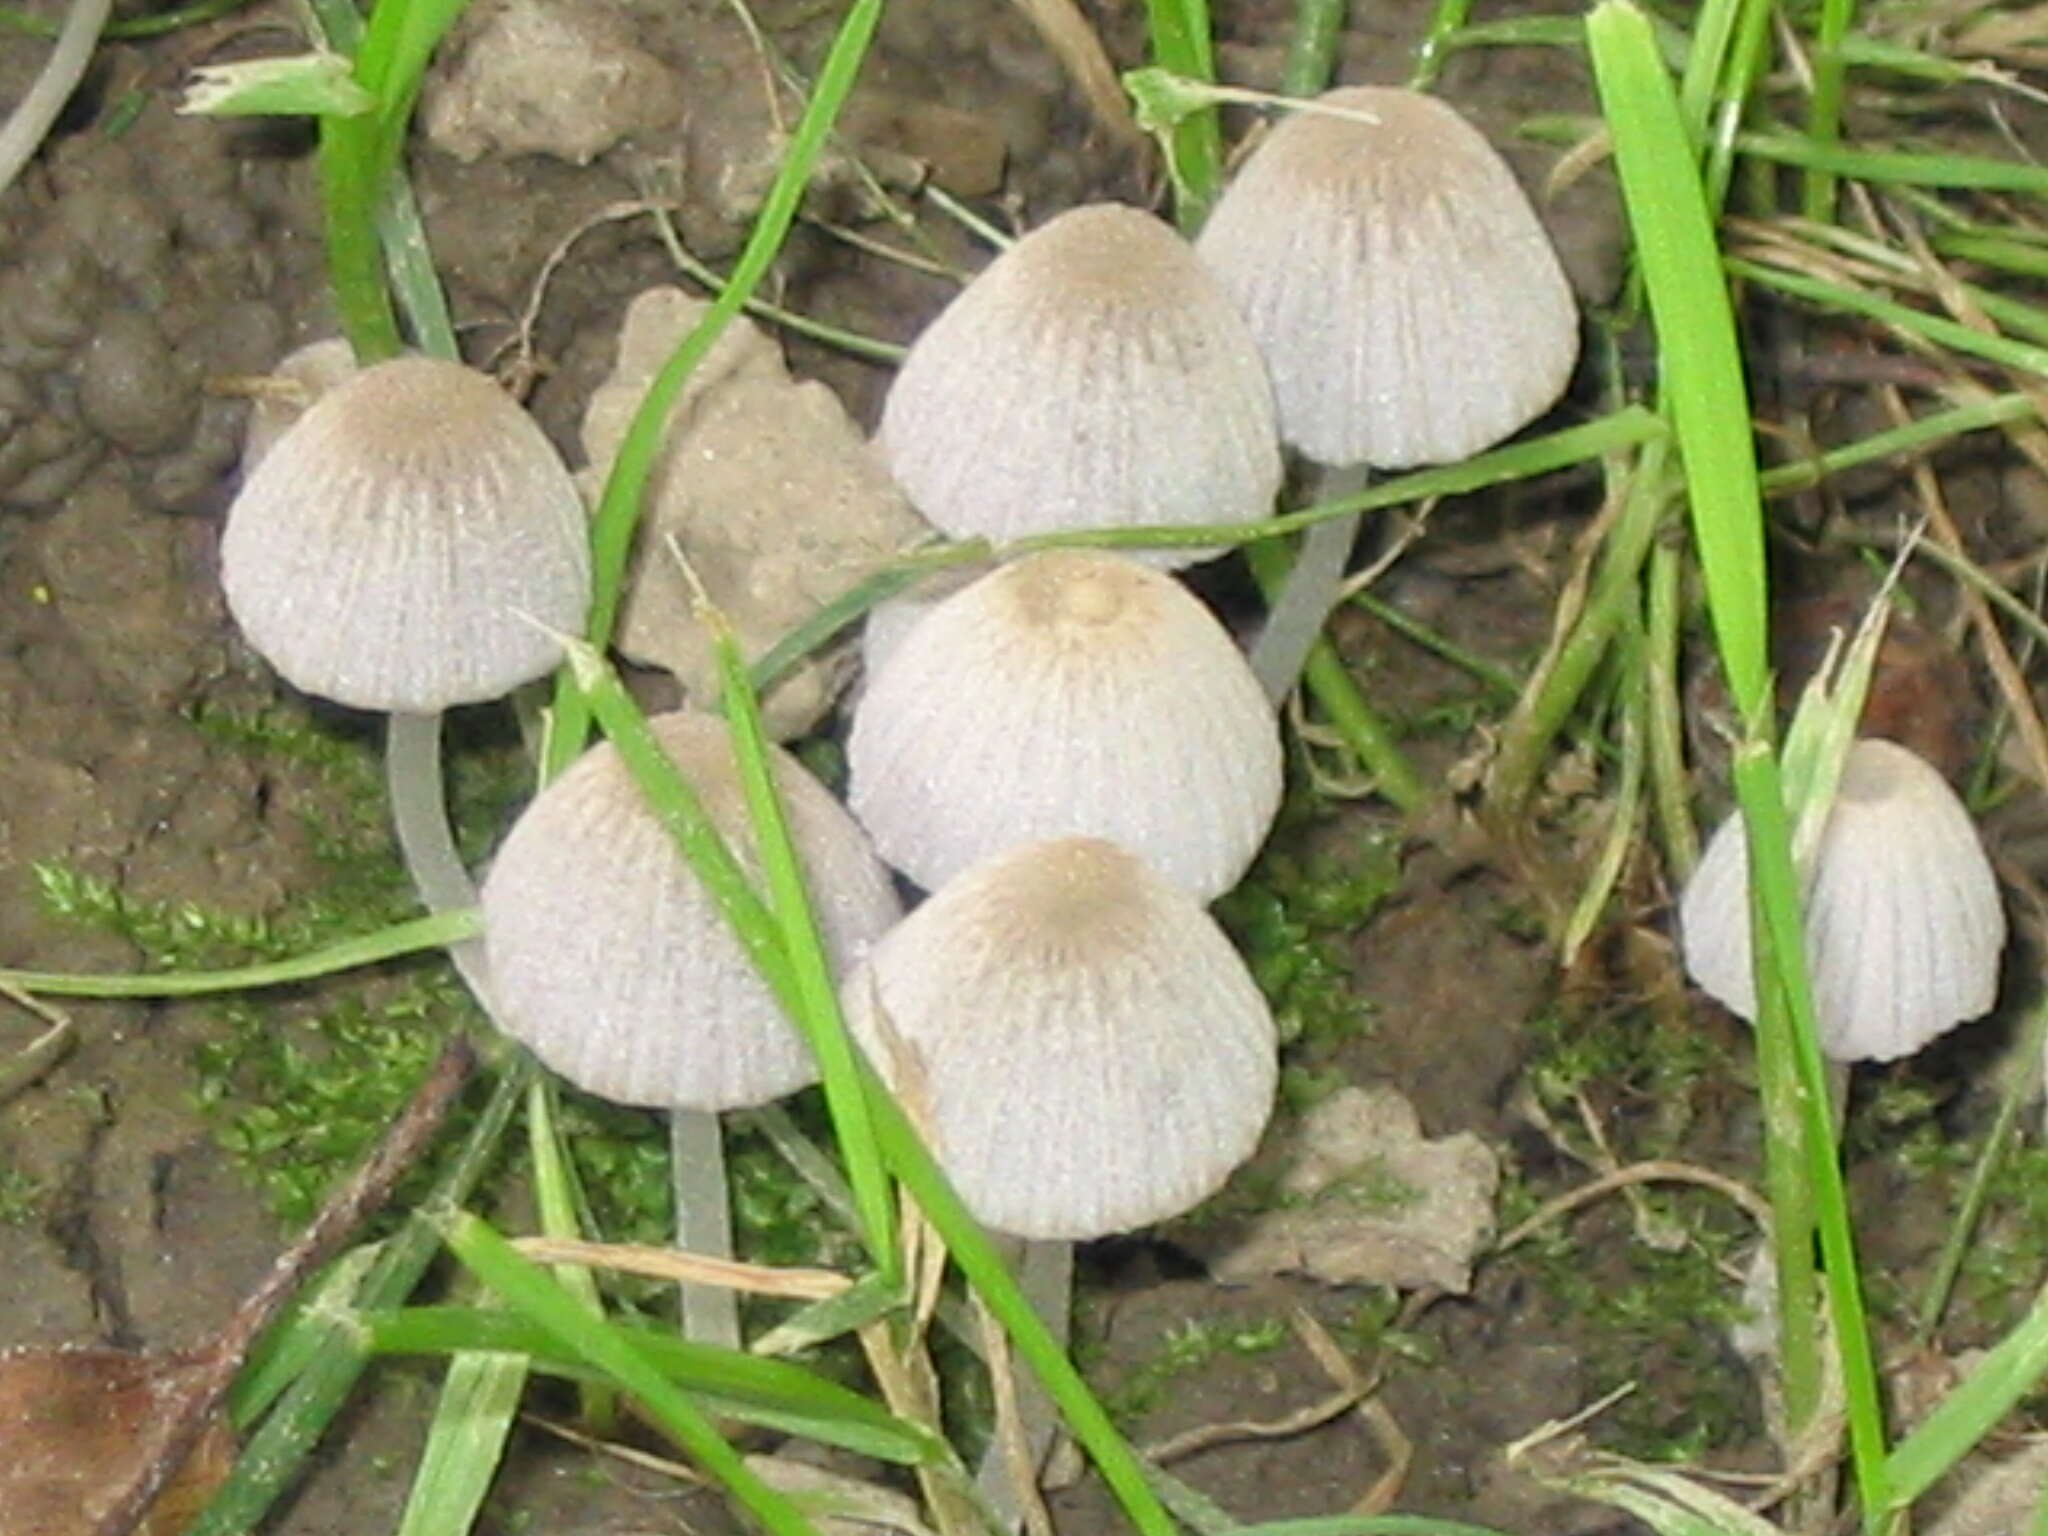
{"x": 145, "y": 269}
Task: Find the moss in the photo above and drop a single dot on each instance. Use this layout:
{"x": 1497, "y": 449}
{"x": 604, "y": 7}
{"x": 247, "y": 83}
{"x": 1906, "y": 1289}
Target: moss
{"x": 1291, "y": 917}
{"x": 297, "y": 1098}
{"x": 1182, "y": 1351}
{"x": 1652, "y": 1320}
{"x": 21, "y": 1197}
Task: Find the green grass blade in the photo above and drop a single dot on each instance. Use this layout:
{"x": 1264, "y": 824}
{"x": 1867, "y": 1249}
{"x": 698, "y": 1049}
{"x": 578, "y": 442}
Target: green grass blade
{"x": 1788, "y": 1053}
{"x": 1702, "y": 378}
{"x": 1181, "y": 46}
{"x": 1943, "y": 333}
{"x": 434, "y": 932}
{"x": 618, "y": 510}
{"x": 273, "y": 1456}
{"x": 815, "y": 1003}
{"x": 772, "y": 1393}
{"x": 464, "y": 1445}
{"x": 1824, "y": 110}
{"x": 2009, "y": 1371}
{"x": 1700, "y": 370}
{"x": 1930, "y": 431}
{"x": 531, "y": 1291}
{"x": 1978, "y": 172}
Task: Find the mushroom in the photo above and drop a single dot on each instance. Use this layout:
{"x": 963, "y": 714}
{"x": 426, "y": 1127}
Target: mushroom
{"x": 1902, "y": 915}
{"x": 1094, "y": 375}
{"x": 1083, "y": 1045}
{"x": 1406, "y": 300}
{"x": 1070, "y": 693}
{"x": 407, "y": 545}
{"x": 615, "y": 966}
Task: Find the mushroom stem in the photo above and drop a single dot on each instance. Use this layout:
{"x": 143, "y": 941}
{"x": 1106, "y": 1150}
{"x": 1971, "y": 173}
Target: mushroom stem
{"x": 1304, "y": 604}
{"x": 419, "y": 812}
{"x": 419, "y": 815}
{"x": 696, "y": 1141}
{"x": 1045, "y": 1273}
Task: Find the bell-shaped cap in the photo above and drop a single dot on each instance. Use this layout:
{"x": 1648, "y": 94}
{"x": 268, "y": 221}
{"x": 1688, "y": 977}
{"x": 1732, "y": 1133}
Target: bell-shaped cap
{"x": 614, "y": 965}
{"x": 1094, "y": 375}
{"x": 1406, "y": 298}
{"x": 1080, "y": 1040}
{"x": 408, "y": 543}
{"x": 1902, "y": 916}
{"x": 1073, "y": 693}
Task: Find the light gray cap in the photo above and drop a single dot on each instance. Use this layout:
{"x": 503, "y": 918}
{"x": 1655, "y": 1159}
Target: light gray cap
{"x": 407, "y": 542}
{"x": 1094, "y": 375}
{"x": 614, "y": 965}
{"x": 1400, "y": 286}
{"x": 1070, "y": 693}
{"x": 1079, "y": 1040}
{"x": 1903, "y": 920}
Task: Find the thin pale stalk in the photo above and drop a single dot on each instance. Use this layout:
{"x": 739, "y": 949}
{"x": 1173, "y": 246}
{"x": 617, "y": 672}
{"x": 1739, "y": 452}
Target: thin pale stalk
{"x": 1330, "y": 684}
{"x": 1296, "y": 617}
{"x": 696, "y": 1142}
{"x": 419, "y": 815}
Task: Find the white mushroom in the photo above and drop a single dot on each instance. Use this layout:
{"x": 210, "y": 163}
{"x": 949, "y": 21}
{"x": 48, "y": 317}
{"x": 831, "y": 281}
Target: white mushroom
{"x": 614, "y": 964}
{"x": 1406, "y": 300}
{"x": 408, "y": 543}
{"x": 1402, "y": 290}
{"x": 1902, "y": 914}
{"x": 1071, "y": 693}
{"x": 1094, "y": 375}
{"x": 1083, "y": 1045}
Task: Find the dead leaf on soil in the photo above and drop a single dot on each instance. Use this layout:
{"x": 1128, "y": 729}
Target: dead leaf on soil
{"x": 73, "y": 1422}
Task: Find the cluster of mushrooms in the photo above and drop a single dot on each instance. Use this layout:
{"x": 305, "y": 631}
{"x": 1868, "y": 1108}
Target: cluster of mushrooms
{"x": 1069, "y": 752}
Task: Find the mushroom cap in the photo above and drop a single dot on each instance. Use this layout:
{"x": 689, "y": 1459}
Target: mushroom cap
{"x": 1071, "y": 693}
{"x": 408, "y": 543}
{"x": 1903, "y": 920}
{"x": 1080, "y": 1041}
{"x": 1094, "y": 375}
{"x": 1406, "y": 298}
{"x": 613, "y": 963}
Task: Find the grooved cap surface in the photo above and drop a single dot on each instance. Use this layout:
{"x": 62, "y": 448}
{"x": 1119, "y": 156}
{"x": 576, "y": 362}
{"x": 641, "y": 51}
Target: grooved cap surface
{"x": 1903, "y": 920}
{"x": 1407, "y": 300}
{"x": 1093, "y": 375}
{"x": 1087, "y": 1048}
{"x": 612, "y": 962}
{"x": 1070, "y": 693}
{"x": 407, "y": 542}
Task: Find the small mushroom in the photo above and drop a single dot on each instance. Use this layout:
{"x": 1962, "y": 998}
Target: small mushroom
{"x": 1079, "y": 1039}
{"x": 1402, "y": 290}
{"x": 614, "y": 964}
{"x": 1093, "y": 376}
{"x": 1407, "y": 302}
{"x": 408, "y": 543}
{"x": 1070, "y": 693}
{"x": 1902, "y": 915}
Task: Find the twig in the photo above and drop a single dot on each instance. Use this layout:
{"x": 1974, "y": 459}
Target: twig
{"x": 1656, "y": 1171}
{"x": 181, "y": 1428}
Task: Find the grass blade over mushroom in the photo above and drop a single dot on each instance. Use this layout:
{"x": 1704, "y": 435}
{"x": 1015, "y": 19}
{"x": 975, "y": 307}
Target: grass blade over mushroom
{"x": 1702, "y": 379}
{"x": 782, "y": 934}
